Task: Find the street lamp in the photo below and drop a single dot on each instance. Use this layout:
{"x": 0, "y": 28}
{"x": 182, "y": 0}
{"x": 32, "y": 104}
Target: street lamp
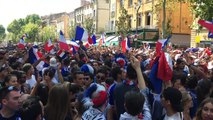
{"x": 137, "y": 7}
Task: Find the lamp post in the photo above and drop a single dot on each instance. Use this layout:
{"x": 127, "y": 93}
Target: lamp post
{"x": 137, "y": 8}
{"x": 164, "y": 19}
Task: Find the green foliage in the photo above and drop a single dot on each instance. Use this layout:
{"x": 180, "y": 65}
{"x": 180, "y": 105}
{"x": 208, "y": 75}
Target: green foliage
{"x": 122, "y": 23}
{"x": 15, "y": 28}
{"x": 72, "y": 31}
{"x": 202, "y": 9}
{"x": 2, "y": 33}
{"x": 34, "y": 18}
{"x": 88, "y": 25}
{"x": 32, "y": 30}
{"x": 47, "y": 32}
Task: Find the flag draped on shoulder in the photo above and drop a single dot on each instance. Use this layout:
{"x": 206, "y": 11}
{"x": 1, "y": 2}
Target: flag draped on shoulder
{"x": 62, "y": 42}
{"x": 34, "y": 54}
{"x": 81, "y": 34}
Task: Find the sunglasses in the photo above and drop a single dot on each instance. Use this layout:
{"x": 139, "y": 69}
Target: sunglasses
{"x": 86, "y": 79}
{"x": 100, "y": 77}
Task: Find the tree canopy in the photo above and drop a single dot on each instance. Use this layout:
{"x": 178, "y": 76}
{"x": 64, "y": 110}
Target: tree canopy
{"x": 2, "y": 32}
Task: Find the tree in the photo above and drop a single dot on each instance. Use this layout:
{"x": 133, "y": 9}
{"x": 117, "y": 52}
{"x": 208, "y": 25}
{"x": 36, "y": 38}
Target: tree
{"x": 15, "y": 27}
{"x": 122, "y": 24}
{"x": 72, "y": 31}
{"x": 88, "y": 25}
{"x": 2, "y": 32}
{"x": 34, "y": 18}
{"x": 47, "y": 32}
{"x": 32, "y": 30}
{"x": 203, "y": 9}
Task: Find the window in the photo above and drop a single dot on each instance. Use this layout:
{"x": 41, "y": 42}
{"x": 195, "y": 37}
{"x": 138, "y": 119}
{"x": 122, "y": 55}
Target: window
{"x": 148, "y": 18}
{"x": 112, "y": 26}
{"x": 93, "y": 12}
{"x": 130, "y": 22}
{"x": 140, "y": 19}
{"x": 130, "y": 3}
{"x": 121, "y": 3}
{"x": 139, "y": 1}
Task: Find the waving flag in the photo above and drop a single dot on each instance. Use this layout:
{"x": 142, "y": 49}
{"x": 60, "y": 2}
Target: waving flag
{"x": 156, "y": 82}
{"x": 94, "y": 39}
{"x": 81, "y": 34}
{"x": 61, "y": 54}
{"x": 49, "y": 46}
{"x": 73, "y": 50}
{"x": 125, "y": 44}
{"x": 62, "y": 42}
{"x": 90, "y": 41}
{"x": 210, "y": 35}
{"x": 206, "y": 24}
{"x": 34, "y": 54}
{"x": 161, "y": 44}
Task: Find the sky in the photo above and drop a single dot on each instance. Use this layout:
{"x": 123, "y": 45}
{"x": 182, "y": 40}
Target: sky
{"x": 15, "y": 9}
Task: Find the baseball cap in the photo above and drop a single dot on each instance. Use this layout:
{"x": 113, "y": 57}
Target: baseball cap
{"x": 175, "y": 98}
{"x": 53, "y": 62}
{"x": 86, "y": 68}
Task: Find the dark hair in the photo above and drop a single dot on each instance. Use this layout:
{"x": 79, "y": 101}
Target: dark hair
{"x": 6, "y": 90}
{"x": 134, "y": 102}
{"x": 31, "y": 108}
{"x": 181, "y": 77}
{"x": 115, "y": 71}
{"x": 50, "y": 71}
{"x": 26, "y": 67}
{"x": 191, "y": 82}
{"x": 131, "y": 73}
{"x": 203, "y": 89}
{"x": 89, "y": 74}
{"x": 66, "y": 61}
{"x": 109, "y": 81}
{"x": 77, "y": 73}
{"x": 8, "y": 77}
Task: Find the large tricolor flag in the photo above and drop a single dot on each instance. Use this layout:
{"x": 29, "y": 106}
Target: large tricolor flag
{"x": 206, "y": 24}
{"x": 49, "y": 46}
{"x": 94, "y": 39}
{"x": 34, "y": 54}
{"x": 161, "y": 44}
{"x": 62, "y": 42}
{"x": 81, "y": 34}
{"x": 125, "y": 44}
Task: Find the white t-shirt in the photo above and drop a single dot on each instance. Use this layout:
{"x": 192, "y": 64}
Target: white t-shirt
{"x": 31, "y": 82}
{"x": 176, "y": 116}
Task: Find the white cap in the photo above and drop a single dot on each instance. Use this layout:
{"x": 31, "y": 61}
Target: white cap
{"x": 53, "y": 62}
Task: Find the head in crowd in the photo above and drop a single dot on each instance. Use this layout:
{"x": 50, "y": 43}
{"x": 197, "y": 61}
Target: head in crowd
{"x": 21, "y": 76}
{"x": 78, "y": 78}
{"x": 32, "y": 109}
{"x": 179, "y": 81}
{"x": 3, "y": 72}
{"x": 101, "y": 76}
{"x": 186, "y": 100}
{"x": 58, "y": 103}
{"x": 95, "y": 65}
{"x": 95, "y": 96}
{"x": 133, "y": 102}
{"x": 171, "y": 99}
{"x": 191, "y": 82}
{"x": 86, "y": 68}
{"x": 66, "y": 62}
{"x": 88, "y": 79}
{"x": 16, "y": 65}
{"x": 11, "y": 80}
{"x": 205, "y": 110}
{"x": 203, "y": 89}
{"x": 9, "y": 97}
{"x": 53, "y": 62}
{"x": 28, "y": 69}
{"x": 180, "y": 64}
{"x": 49, "y": 73}
{"x": 116, "y": 73}
{"x": 131, "y": 73}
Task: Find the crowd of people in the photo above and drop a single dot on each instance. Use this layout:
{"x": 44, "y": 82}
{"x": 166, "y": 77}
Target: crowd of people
{"x": 99, "y": 83}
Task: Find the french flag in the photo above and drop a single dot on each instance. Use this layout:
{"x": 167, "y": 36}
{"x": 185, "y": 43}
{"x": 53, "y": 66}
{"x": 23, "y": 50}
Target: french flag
{"x": 49, "y": 46}
{"x": 210, "y": 35}
{"x": 125, "y": 44}
{"x": 34, "y": 54}
{"x": 62, "y": 42}
{"x": 206, "y": 24}
{"x": 81, "y": 34}
{"x": 61, "y": 54}
{"x": 73, "y": 50}
{"x": 161, "y": 44}
{"x": 21, "y": 44}
{"x": 94, "y": 39}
